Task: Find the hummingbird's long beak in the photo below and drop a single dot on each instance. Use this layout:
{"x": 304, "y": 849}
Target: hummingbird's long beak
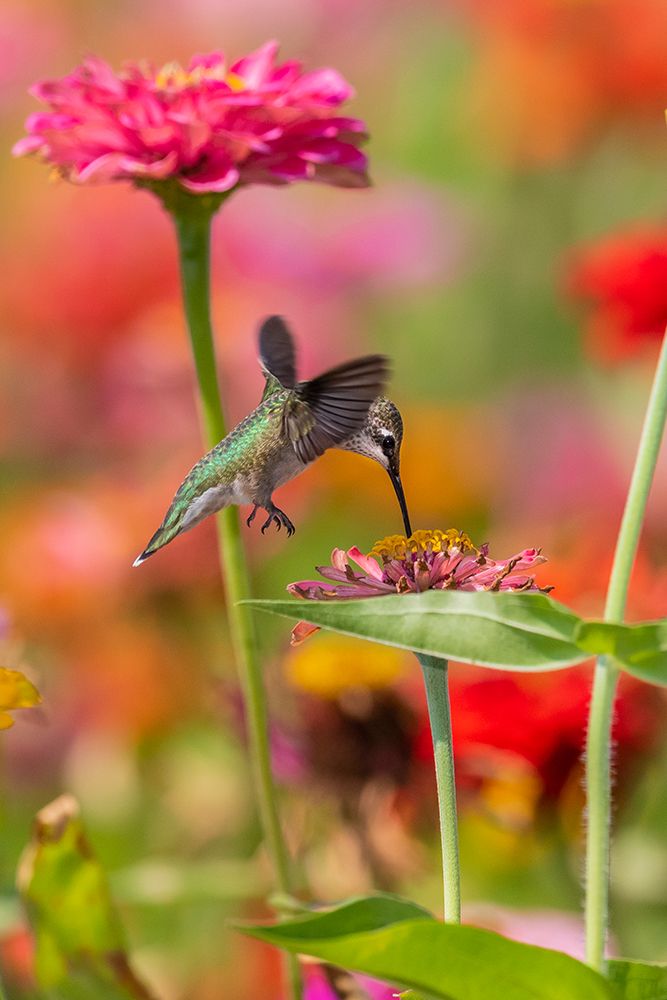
{"x": 395, "y": 477}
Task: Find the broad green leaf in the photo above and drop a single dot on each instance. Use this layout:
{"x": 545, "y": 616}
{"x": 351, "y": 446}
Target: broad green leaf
{"x": 639, "y": 980}
{"x": 78, "y": 936}
{"x": 438, "y": 961}
{"x": 640, "y": 650}
{"x": 510, "y": 631}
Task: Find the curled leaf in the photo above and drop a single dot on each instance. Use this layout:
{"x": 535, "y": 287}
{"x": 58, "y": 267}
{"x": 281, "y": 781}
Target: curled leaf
{"x": 79, "y": 940}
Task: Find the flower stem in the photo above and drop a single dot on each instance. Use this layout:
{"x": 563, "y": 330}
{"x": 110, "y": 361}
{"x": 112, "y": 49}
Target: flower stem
{"x": 598, "y": 745}
{"x": 434, "y": 672}
{"x": 193, "y": 228}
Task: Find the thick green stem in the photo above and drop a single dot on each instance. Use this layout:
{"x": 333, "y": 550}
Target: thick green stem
{"x": 434, "y": 672}
{"x": 598, "y": 746}
{"x": 193, "y": 227}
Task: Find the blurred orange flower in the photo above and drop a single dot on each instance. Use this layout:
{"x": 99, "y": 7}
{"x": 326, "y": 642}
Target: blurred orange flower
{"x": 65, "y": 552}
{"x": 129, "y": 677}
{"x": 87, "y": 299}
{"x": 551, "y": 73}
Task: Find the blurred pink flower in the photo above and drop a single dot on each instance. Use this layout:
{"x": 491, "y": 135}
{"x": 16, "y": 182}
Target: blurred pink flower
{"x": 320, "y": 982}
{"x": 555, "y": 929}
{"x": 406, "y": 236}
{"x": 428, "y": 560}
{"x": 210, "y": 127}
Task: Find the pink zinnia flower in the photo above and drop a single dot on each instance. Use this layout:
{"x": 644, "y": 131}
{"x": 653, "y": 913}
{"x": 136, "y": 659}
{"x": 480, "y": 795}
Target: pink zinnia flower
{"x": 210, "y": 127}
{"x": 427, "y": 560}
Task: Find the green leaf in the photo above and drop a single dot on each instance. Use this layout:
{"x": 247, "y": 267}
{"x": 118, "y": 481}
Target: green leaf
{"x": 510, "y": 631}
{"x": 640, "y": 650}
{"x": 79, "y": 941}
{"x": 364, "y": 913}
{"x": 438, "y": 961}
{"x": 639, "y": 980}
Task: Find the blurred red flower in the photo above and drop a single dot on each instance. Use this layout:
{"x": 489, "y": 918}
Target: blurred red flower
{"x": 210, "y": 126}
{"x": 624, "y": 276}
{"x": 503, "y": 720}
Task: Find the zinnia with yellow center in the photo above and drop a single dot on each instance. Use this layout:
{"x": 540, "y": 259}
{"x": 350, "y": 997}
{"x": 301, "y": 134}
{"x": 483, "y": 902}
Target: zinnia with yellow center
{"x": 208, "y": 127}
{"x": 427, "y": 560}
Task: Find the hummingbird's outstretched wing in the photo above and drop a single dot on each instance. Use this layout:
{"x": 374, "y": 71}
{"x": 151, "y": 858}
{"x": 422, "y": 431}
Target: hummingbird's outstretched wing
{"x": 277, "y": 355}
{"x": 328, "y": 409}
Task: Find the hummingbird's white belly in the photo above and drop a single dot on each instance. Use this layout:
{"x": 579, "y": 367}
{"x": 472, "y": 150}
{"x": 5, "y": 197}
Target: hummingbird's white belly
{"x": 244, "y": 489}
{"x": 214, "y": 499}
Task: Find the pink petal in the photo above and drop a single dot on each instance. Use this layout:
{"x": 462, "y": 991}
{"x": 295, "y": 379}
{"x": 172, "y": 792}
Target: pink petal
{"x": 29, "y": 144}
{"x": 220, "y": 175}
{"x": 208, "y": 60}
{"x": 111, "y": 166}
{"x": 311, "y": 590}
{"x": 339, "y": 559}
{"x": 101, "y": 74}
{"x": 153, "y": 136}
{"x": 362, "y": 589}
{"x": 329, "y": 128}
{"x": 41, "y": 121}
{"x": 288, "y": 167}
{"x": 301, "y": 632}
{"x": 256, "y": 67}
{"x": 367, "y": 563}
{"x": 337, "y": 575}
{"x": 333, "y": 151}
{"x": 322, "y": 86}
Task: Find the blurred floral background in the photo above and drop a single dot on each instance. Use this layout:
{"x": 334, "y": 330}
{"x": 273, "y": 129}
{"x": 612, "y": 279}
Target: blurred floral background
{"x": 511, "y": 257}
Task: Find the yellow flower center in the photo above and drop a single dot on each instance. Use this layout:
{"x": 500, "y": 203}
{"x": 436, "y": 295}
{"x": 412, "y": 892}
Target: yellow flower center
{"x": 172, "y": 76}
{"x": 16, "y": 691}
{"x": 424, "y": 540}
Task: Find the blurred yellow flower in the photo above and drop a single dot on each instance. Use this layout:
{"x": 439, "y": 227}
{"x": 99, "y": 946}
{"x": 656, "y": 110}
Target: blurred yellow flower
{"x": 333, "y": 664}
{"x": 16, "y": 691}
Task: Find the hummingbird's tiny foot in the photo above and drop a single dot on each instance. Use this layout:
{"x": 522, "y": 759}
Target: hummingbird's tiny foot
{"x": 269, "y": 522}
{"x": 281, "y": 520}
{"x": 251, "y": 517}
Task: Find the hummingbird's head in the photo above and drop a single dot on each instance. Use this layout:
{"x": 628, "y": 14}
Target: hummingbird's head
{"x": 380, "y": 439}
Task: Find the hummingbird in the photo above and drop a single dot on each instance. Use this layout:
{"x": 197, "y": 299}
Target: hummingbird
{"x": 294, "y": 423}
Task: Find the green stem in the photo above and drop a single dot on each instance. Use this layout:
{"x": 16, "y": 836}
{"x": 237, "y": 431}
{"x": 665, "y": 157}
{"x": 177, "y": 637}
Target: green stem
{"x": 598, "y": 745}
{"x": 193, "y": 227}
{"x": 434, "y": 672}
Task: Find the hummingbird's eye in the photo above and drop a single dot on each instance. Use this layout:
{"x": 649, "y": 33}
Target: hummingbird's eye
{"x": 388, "y": 444}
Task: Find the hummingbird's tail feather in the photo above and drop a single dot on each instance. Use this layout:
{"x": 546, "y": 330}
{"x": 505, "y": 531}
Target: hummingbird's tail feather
{"x": 164, "y": 534}
{"x": 331, "y": 407}
{"x": 197, "y": 497}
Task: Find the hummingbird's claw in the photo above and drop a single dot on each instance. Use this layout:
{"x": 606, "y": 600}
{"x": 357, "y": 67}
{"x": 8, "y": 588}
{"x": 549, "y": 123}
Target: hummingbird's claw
{"x": 281, "y": 520}
{"x": 251, "y": 517}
